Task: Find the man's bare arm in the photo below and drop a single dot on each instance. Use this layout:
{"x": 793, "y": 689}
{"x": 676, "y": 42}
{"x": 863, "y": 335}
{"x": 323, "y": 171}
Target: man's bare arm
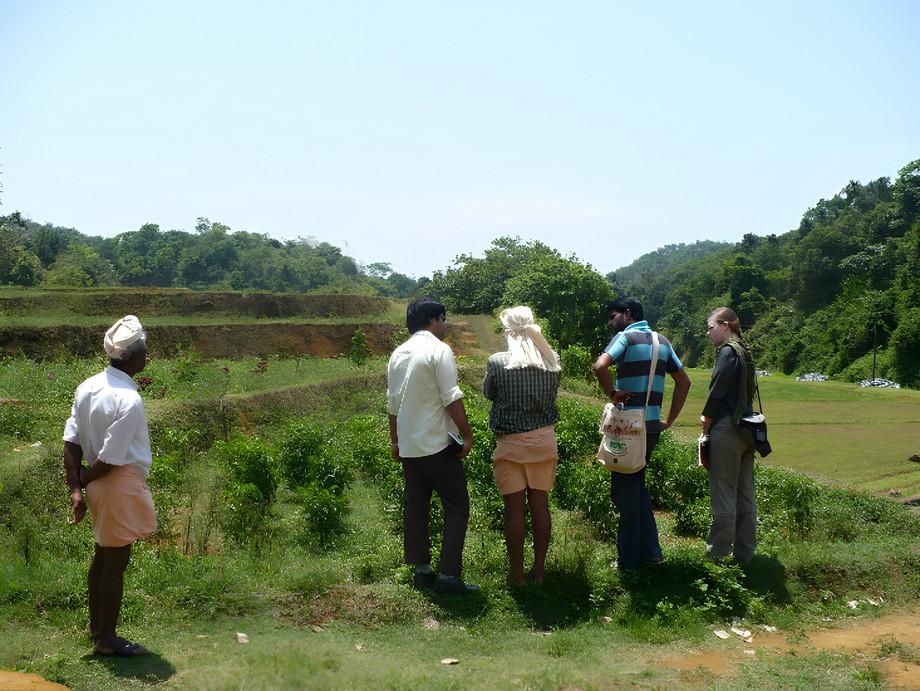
{"x": 605, "y": 379}
{"x": 394, "y": 438}
{"x": 73, "y": 457}
{"x": 678, "y": 396}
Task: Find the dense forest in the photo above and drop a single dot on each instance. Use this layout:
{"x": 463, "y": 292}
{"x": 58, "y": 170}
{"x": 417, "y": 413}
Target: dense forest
{"x": 817, "y": 298}
{"x": 821, "y": 297}
{"x": 212, "y": 257}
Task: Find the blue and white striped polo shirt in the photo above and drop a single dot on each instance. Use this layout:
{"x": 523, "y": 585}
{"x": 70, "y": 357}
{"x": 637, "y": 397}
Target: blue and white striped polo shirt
{"x": 631, "y": 351}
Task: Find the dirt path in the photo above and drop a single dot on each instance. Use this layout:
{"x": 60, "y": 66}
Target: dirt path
{"x": 891, "y": 641}
{"x": 19, "y": 681}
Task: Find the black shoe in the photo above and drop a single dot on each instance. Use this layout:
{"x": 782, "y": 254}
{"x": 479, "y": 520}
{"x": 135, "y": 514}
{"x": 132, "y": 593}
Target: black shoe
{"x": 424, "y": 580}
{"x": 453, "y": 585}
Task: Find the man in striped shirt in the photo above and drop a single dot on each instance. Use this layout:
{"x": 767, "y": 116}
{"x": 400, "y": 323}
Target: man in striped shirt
{"x": 631, "y": 351}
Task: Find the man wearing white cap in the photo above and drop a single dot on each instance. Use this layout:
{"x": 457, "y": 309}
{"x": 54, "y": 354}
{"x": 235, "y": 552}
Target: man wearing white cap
{"x": 108, "y": 428}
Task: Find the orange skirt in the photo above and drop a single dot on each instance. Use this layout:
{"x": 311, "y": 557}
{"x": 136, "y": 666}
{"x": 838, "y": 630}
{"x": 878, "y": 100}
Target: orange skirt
{"x": 121, "y": 507}
{"x": 526, "y": 460}
{"x": 511, "y": 477}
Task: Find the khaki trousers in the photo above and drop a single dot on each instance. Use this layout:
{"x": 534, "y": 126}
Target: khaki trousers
{"x": 731, "y": 492}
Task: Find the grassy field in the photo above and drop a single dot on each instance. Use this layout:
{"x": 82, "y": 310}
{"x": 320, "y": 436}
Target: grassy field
{"x": 348, "y": 618}
{"x": 833, "y": 431}
{"x": 334, "y": 608}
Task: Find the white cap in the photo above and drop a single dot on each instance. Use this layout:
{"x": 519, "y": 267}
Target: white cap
{"x": 122, "y": 334}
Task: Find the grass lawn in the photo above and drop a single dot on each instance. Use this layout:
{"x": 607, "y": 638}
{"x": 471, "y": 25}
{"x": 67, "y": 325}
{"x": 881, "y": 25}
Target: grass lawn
{"x": 348, "y": 618}
{"x": 834, "y": 431}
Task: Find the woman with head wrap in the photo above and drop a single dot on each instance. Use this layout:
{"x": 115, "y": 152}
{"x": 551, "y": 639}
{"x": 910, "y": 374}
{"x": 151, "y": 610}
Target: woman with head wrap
{"x": 522, "y": 383}
{"x": 731, "y": 447}
{"x": 108, "y": 428}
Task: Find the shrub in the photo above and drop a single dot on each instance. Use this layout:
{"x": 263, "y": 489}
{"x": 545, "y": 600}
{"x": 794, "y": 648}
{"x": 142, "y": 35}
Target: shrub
{"x": 577, "y": 362}
{"x": 673, "y": 478}
{"x": 243, "y": 511}
{"x": 306, "y": 457}
{"x": 846, "y": 515}
{"x": 785, "y": 501}
{"x": 249, "y": 461}
{"x": 250, "y": 488}
{"x": 905, "y": 346}
{"x": 720, "y": 592}
{"x": 360, "y": 351}
{"x": 693, "y": 518}
{"x": 364, "y": 439}
{"x": 324, "y": 512}
{"x": 576, "y": 431}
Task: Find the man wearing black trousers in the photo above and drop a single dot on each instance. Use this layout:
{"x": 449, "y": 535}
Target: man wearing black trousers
{"x": 427, "y": 420}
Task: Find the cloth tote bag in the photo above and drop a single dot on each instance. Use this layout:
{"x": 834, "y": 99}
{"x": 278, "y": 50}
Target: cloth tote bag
{"x": 623, "y": 444}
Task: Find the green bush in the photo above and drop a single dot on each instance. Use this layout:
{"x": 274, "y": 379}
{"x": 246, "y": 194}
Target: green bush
{"x": 308, "y": 454}
{"x": 249, "y": 461}
{"x": 249, "y": 491}
{"x": 360, "y": 350}
{"x": 905, "y": 346}
{"x": 577, "y": 362}
{"x": 785, "y": 501}
{"x": 673, "y": 477}
{"x": 720, "y": 591}
{"x": 693, "y": 518}
{"x": 576, "y": 431}
{"x": 845, "y": 515}
{"x": 323, "y": 511}
{"x": 243, "y": 511}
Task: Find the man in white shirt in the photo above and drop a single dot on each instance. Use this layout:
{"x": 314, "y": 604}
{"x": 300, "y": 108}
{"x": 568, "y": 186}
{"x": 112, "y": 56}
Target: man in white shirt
{"x": 108, "y": 428}
{"x": 430, "y": 435}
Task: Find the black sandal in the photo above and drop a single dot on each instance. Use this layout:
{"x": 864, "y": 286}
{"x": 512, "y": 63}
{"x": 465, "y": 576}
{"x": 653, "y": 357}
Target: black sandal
{"x": 121, "y": 648}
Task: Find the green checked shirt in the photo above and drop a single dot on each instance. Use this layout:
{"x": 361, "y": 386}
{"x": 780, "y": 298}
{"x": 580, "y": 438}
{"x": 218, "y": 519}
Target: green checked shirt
{"x": 522, "y": 399}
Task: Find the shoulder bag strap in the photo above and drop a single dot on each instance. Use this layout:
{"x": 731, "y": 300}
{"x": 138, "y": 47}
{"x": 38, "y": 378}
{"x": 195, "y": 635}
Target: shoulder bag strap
{"x": 652, "y": 368}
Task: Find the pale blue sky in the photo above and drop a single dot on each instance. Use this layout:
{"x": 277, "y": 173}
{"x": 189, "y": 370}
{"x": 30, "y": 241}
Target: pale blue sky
{"x": 410, "y": 132}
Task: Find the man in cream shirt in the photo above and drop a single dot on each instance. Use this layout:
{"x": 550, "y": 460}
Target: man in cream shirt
{"x": 426, "y": 416}
{"x": 108, "y": 428}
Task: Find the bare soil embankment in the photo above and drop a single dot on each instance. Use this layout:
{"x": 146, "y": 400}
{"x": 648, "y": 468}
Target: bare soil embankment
{"x": 210, "y": 340}
{"x": 217, "y": 340}
{"x": 114, "y": 303}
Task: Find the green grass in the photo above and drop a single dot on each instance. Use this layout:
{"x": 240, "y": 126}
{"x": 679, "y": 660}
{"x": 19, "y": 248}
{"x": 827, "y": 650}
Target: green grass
{"x": 188, "y": 607}
{"x": 834, "y": 431}
{"x": 348, "y": 618}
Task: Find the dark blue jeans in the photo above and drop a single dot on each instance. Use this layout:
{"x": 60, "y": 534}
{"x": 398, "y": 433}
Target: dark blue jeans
{"x": 637, "y": 534}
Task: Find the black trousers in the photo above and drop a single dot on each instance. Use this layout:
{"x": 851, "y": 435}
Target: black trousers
{"x": 442, "y": 473}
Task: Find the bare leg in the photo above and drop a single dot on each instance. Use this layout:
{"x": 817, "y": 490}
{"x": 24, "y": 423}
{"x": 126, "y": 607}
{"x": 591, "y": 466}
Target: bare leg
{"x": 94, "y": 582}
{"x": 114, "y": 561}
{"x": 542, "y": 527}
{"x": 514, "y": 536}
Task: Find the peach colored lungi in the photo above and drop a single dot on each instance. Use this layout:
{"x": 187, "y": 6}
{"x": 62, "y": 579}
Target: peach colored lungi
{"x": 121, "y": 507}
{"x": 525, "y": 460}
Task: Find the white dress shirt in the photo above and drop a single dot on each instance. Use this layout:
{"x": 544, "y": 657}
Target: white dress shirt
{"x": 421, "y": 383}
{"x": 108, "y": 422}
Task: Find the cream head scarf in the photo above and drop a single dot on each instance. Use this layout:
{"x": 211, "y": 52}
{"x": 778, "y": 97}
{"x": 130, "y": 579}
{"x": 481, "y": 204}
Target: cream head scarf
{"x": 526, "y": 344}
{"x": 122, "y": 334}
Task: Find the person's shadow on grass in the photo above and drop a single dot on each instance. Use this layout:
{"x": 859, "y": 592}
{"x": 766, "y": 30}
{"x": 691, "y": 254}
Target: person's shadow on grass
{"x": 561, "y": 601}
{"x": 683, "y": 581}
{"x": 149, "y": 669}
{"x": 465, "y": 606}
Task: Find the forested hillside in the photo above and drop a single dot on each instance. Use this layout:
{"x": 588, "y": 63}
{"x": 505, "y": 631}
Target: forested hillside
{"x": 213, "y": 257}
{"x": 816, "y": 298}
{"x": 812, "y": 299}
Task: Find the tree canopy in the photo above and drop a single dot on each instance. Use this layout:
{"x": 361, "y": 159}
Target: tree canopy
{"x": 815, "y": 298}
{"x": 213, "y": 257}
